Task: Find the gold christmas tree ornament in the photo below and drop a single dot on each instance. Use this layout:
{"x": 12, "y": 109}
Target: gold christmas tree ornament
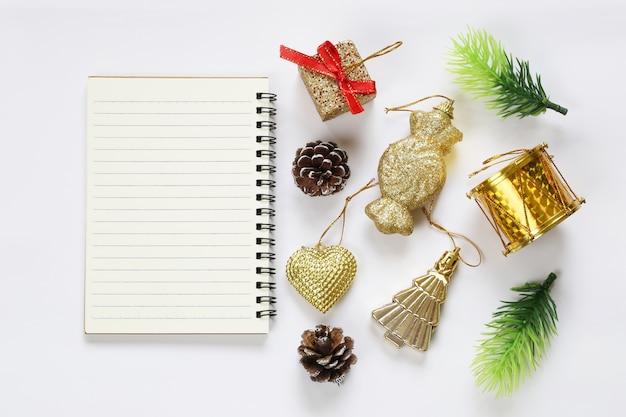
{"x": 526, "y": 198}
{"x": 323, "y": 274}
{"x": 413, "y": 315}
{"x": 412, "y": 171}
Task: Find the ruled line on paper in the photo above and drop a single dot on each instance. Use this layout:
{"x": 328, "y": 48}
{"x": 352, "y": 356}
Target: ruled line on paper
{"x": 171, "y": 233}
{"x": 177, "y": 197}
{"x": 172, "y": 246}
{"x": 172, "y": 209}
{"x": 174, "y": 294}
{"x": 117, "y": 101}
{"x": 171, "y": 173}
{"x": 171, "y": 306}
{"x": 169, "y": 282}
{"x": 172, "y": 149}
{"x": 168, "y": 269}
{"x": 172, "y": 185}
{"x": 209, "y": 161}
{"x": 169, "y": 257}
{"x": 94, "y": 317}
{"x": 168, "y": 125}
{"x": 172, "y": 137}
{"x": 169, "y": 113}
{"x": 172, "y": 221}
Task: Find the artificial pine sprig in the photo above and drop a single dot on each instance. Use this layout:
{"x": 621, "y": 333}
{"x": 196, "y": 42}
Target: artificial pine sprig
{"x": 485, "y": 69}
{"x": 517, "y": 338}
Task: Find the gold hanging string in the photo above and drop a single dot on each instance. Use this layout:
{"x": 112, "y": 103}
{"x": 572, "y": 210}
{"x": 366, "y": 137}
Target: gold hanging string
{"x": 498, "y": 159}
{"x": 580, "y": 199}
{"x": 371, "y": 183}
{"x": 428, "y": 213}
{"x": 376, "y": 54}
{"x": 403, "y": 107}
{"x": 490, "y": 221}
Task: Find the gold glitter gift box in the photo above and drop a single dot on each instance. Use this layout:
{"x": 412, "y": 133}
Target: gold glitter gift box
{"x": 325, "y": 91}
{"x": 336, "y": 78}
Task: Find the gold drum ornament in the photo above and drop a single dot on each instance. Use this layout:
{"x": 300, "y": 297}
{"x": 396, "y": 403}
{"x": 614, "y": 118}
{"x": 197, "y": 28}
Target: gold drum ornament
{"x": 525, "y": 199}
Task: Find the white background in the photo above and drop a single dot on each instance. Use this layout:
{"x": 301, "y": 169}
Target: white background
{"x": 50, "y": 368}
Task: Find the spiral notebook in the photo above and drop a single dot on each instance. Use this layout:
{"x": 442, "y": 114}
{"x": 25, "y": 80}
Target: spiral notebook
{"x": 179, "y": 205}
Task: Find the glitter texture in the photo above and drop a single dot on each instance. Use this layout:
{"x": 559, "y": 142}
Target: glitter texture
{"x": 321, "y": 275}
{"x": 412, "y": 171}
{"x": 325, "y": 92}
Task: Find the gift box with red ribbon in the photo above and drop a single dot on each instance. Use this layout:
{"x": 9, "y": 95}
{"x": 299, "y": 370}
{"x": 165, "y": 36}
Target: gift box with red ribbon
{"x": 336, "y": 78}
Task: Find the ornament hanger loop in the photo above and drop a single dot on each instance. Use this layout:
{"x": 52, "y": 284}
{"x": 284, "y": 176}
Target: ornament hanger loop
{"x": 376, "y": 54}
{"x": 403, "y": 107}
{"x": 498, "y": 159}
{"x": 428, "y": 213}
{"x": 371, "y": 183}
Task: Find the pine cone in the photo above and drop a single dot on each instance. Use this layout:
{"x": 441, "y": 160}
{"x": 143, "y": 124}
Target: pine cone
{"x": 320, "y": 168}
{"x": 326, "y": 354}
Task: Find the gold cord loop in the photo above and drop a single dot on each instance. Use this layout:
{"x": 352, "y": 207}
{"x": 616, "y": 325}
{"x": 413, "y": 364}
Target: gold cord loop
{"x": 428, "y": 213}
{"x": 371, "y": 183}
{"x": 376, "y": 54}
{"x": 403, "y": 107}
{"x": 498, "y": 159}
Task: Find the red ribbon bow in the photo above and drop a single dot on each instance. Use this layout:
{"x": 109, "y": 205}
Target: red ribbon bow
{"x": 329, "y": 64}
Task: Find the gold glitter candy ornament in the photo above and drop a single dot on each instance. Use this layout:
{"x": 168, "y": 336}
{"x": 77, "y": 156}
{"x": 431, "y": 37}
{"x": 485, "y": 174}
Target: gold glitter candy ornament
{"x": 412, "y": 171}
{"x": 323, "y": 274}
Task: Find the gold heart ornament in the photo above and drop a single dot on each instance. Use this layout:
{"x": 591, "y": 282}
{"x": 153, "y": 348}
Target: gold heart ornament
{"x": 322, "y": 274}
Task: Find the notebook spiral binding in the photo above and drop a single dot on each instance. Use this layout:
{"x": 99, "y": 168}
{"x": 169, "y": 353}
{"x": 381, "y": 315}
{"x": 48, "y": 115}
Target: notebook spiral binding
{"x": 265, "y": 198}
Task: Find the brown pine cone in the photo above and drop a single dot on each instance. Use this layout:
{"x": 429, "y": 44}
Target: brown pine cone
{"x": 320, "y": 168}
{"x": 326, "y": 354}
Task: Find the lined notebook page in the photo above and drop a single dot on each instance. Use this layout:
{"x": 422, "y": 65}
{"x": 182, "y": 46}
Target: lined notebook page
{"x": 171, "y": 232}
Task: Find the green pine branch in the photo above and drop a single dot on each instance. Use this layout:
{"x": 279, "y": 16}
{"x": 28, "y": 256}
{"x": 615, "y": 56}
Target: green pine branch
{"x": 517, "y": 339}
{"x": 484, "y": 69}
